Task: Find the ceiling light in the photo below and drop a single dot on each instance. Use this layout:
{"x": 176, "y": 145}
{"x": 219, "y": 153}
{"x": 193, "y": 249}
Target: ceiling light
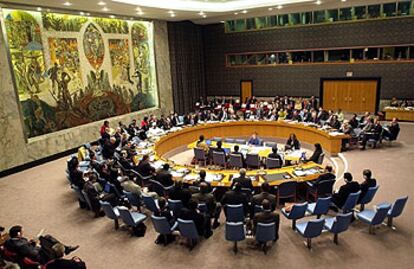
{"x": 67, "y": 4}
{"x": 318, "y": 2}
{"x": 201, "y": 13}
{"x": 39, "y": 9}
{"x": 204, "y": 16}
{"x": 101, "y": 3}
{"x": 112, "y": 16}
{"x": 244, "y": 11}
{"x": 270, "y": 9}
{"x": 140, "y": 13}
{"x": 343, "y": 0}
{"x": 82, "y": 13}
{"x": 171, "y": 11}
{"x": 105, "y": 9}
{"x": 279, "y": 7}
{"x": 236, "y": 13}
{"x": 222, "y": 21}
{"x": 172, "y": 15}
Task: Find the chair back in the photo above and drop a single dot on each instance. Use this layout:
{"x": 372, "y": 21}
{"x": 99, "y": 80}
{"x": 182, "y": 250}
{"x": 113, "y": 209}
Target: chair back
{"x": 133, "y": 199}
{"x": 187, "y": 229}
{"x": 116, "y": 191}
{"x": 257, "y": 209}
{"x": 88, "y": 201}
{"x": 320, "y": 158}
{"x": 217, "y": 138}
{"x": 229, "y": 140}
{"x": 236, "y": 160}
{"x": 369, "y": 195}
{"x": 265, "y": 232}
{"x": 161, "y": 225}
{"x": 273, "y": 163}
{"x": 341, "y": 222}
{"x": 149, "y": 203}
{"x": 287, "y": 189}
{"x": 126, "y": 216}
{"x": 234, "y": 213}
{"x": 380, "y": 214}
{"x": 325, "y": 187}
{"x": 202, "y": 207}
{"x": 298, "y": 211}
{"x": 351, "y": 202}
{"x": 219, "y": 158}
{"x": 270, "y": 144}
{"x": 252, "y": 160}
{"x": 109, "y": 211}
{"x": 157, "y": 187}
{"x": 322, "y": 206}
{"x": 398, "y": 207}
{"x": 175, "y": 206}
{"x": 79, "y": 194}
{"x": 200, "y": 154}
{"x": 314, "y": 228}
{"x": 240, "y": 141}
{"x": 235, "y": 231}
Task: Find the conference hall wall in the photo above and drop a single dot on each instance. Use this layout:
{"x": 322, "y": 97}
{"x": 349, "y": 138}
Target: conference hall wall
{"x": 304, "y": 80}
{"x": 68, "y": 72}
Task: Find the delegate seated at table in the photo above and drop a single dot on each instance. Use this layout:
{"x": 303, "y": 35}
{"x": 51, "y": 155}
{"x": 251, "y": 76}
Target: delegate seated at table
{"x": 254, "y": 140}
{"x": 201, "y": 144}
{"x": 292, "y": 143}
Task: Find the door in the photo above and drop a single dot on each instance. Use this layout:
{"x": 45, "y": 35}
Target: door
{"x": 330, "y": 95}
{"x": 246, "y": 89}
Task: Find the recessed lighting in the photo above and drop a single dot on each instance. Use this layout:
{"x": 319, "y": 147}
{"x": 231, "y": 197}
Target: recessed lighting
{"x": 279, "y": 7}
{"x": 318, "y": 2}
{"x": 101, "y": 3}
{"x": 105, "y": 9}
{"x": 236, "y": 13}
{"x": 140, "y": 13}
{"x": 222, "y": 21}
{"x": 201, "y": 13}
{"x": 112, "y": 16}
{"x": 244, "y": 11}
{"x": 39, "y": 9}
{"x": 88, "y": 14}
{"x": 170, "y": 11}
{"x": 82, "y": 13}
{"x": 204, "y": 16}
{"x": 67, "y": 4}
{"x": 270, "y": 9}
{"x": 172, "y": 15}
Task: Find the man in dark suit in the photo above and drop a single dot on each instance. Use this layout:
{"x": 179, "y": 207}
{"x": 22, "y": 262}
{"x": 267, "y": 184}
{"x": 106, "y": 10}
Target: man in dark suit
{"x": 180, "y": 193}
{"x": 244, "y": 181}
{"x": 191, "y": 213}
{"x": 164, "y": 176}
{"x": 275, "y": 155}
{"x": 339, "y": 198}
{"x": 369, "y": 182}
{"x": 328, "y": 175}
{"x": 204, "y": 197}
{"x": 235, "y": 196}
{"x": 144, "y": 167}
{"x": 265, "y": 194}
{"x": 236, "y": 152}
{"x": 109, "y": 147}
{"x": 61, "y": 263}
{"x": 267, "y": 216}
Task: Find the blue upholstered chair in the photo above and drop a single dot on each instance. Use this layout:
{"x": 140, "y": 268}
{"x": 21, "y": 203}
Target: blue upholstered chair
{"x": 149, "y": 203}
{"x": 188, "y": 230}
{"x": 133, "y": 199}
{"x": 351, "y": 202}
{"x": 235, "y": 161}
{"x": 234, "y": 213}
{"x": 286, "y": 190}
{"x": 273, "y": 163}
{"x": 235, "y": 232}
{"x": 81, "y": 197}
{"x": 219, "y": 158}
{"x": 321, "y": 189}
{"x": 252, "y": 160}
{"x": 265, "y": 232}
{"x": 374, "y": 217}
{"x": 202, "y": 207}
{"x": 110, "y": 212}
{"x": 200, "y": 156}
{"x": 132, "y": 219}
{"x": 257, "y": 209}
{"x": 159, "y": 188}
{"x": 321, "y": 207}
{"x": 87, "y": 200}
{"x": 368, "y": 197}
{"x": 320, "y": 158}
{"x": 162, "y": 226}
{"x": 396, "y": 210}
{"x": 310, "y": 229}
{"x": 338, "y": 224}
{"x": 175, "y": 206}
{"x": 298, "y": 211}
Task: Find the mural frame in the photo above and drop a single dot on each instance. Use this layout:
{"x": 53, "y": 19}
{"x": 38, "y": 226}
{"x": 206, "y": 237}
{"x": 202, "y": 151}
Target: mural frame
{"x": 28, "y": 8}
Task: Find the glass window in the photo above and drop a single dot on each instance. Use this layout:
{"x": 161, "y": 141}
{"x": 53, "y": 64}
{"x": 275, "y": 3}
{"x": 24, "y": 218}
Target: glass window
{"x": 390, "y": 9}
{"x": 345, "y": 14}
{"x": 271, "y": 58}
{"x": 374, "y": 11}
{"x": 404, "y": 8}
{"x": 250, "y": 24}
{"x": 240, "y": 25}
{"x": 283, "y": 20}
{"x": 333, "y": 15}
{"x": 261, "y": 22}
{"x": 318, "y": 56}
{"x": 387, "y": 54}
{"x": 412, "y": 52}
{"x": 301, "y": 56}
{"x": 306, "y": 17}
{"x": 371, "y": 54}
{"x": 319, "y": 16}
{"x": 283, "y": 58}
{"x": 272, "y": 21}
{"x": 360, "y": 12}
{"x": 261, "y": 59}
{"x": 338, "y": 55}
{"x": 358, "y": 54}
{"x": 239, "y": 59}
{"x": 294, "y": 18}
{"x": 251, "y": 60}
{"x": 231, "y": 60}
{"x": 230, "y": 26}
{"x": 400, "y": 53}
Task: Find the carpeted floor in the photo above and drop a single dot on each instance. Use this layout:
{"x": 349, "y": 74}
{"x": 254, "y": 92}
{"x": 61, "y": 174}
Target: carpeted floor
{"x": 41, "y": 198}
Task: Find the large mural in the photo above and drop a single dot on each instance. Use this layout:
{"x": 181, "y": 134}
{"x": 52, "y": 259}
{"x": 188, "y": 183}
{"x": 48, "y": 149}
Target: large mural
{"x": 71, "y": 70}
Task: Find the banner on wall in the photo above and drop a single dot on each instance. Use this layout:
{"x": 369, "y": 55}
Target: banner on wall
{"x": 72, "y": 70}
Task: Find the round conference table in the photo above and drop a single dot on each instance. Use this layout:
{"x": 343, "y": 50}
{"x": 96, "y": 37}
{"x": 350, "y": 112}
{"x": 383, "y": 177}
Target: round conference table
{"x": 331, "y": 143}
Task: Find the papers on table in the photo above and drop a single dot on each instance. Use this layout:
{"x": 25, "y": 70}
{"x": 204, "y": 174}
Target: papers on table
{"x": 191, "y": 177}
{"x": 308, "y": 172}
{"x": 158, "y": 164}
{"x": 213, "y": 177}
